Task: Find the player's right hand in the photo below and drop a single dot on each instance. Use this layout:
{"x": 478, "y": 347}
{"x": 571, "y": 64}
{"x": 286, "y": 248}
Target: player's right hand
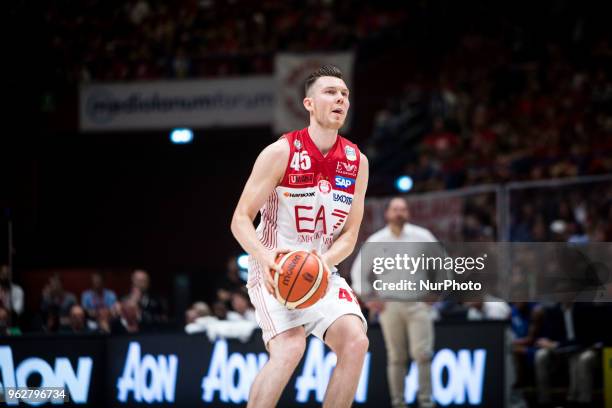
{"x": 267, "y": 259}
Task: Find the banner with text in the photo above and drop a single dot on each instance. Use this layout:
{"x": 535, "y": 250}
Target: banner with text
{"x": 232, "y": 102}
{"x": 177, "y": 370}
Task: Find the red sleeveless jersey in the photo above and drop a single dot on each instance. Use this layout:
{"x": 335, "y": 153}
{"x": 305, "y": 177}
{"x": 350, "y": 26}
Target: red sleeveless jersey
{"x": 308, "y": 209}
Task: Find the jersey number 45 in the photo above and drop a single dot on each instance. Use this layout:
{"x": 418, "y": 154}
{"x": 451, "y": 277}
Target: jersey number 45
{"x": 300, "y": 161}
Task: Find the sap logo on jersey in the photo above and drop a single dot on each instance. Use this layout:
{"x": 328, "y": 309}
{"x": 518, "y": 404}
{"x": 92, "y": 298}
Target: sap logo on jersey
{"x": 346, "y": 169}
{"x": 298, "y": 195}
{"x": 57, "y": 373}
{"x": 301, "y": 179}
{"x": 343, "y": 198}
{"x": 344, "y": 182}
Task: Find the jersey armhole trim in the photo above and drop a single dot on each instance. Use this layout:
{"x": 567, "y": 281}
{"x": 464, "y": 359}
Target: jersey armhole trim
{"x": 279, "y": 182}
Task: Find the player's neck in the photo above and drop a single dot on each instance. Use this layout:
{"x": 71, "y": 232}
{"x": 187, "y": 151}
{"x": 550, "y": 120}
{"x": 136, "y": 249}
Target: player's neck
{"x": 323, "y": 138}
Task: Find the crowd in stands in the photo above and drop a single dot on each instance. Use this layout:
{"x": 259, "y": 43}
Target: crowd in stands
{"x": 556, "y": 341}
{"x": 495, "y": 108}
{"x": 150, "y": 39}
{"x": 575, "y": 212}
{"x": 490, "y": 114}
{"x": 98, "y": 310}
{"x": 556, "y": 345}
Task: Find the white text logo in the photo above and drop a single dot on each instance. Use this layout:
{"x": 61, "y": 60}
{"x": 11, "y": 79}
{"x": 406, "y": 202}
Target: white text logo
{"x": 150, "y": 379}
{"x": 61, "y": 375}
{"x": 222, "y": 370}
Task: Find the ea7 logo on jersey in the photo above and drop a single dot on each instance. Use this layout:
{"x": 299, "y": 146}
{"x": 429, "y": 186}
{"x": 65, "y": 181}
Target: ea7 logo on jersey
{"x": 346, "y": 169}
{"x": 301, "y": 179}
{"x": 344, "y": 182}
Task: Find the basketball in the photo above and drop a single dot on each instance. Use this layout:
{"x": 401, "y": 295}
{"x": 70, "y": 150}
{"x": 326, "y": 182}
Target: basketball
{"x": 303, "y": 281}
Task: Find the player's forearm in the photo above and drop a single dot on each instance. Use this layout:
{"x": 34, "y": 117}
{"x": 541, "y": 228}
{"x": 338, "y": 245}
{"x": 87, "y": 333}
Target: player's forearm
{"x": 341, "y": 249}
{"x": 244, "y": 232}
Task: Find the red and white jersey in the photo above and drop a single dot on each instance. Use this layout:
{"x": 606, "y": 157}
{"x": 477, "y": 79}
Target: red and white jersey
{"x": 308, "y": 209}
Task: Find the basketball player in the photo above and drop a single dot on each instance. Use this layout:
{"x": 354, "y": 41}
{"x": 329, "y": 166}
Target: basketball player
{"x": 310, "y": 187}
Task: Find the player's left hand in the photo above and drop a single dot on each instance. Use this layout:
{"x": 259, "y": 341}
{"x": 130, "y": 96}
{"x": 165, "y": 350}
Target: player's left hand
{"x": 271, "y": 261}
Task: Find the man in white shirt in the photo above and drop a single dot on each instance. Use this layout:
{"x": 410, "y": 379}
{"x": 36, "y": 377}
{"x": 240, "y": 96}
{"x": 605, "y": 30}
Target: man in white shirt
{"x": 406, "y": 325}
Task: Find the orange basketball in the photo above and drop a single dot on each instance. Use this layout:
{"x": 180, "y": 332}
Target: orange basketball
{"x": 303, "y": 281}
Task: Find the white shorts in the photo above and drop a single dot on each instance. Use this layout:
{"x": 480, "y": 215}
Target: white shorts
{"x": 274, "y": 318}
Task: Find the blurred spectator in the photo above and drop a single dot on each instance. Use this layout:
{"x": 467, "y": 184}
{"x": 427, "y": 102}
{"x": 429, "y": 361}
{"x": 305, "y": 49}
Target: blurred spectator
{"x": 11, "y": 294}
{"x": 242, "y": 306}
{"x": 231, "y": 282}
{"x": 51, "y": 323}
{"x": 220, "y": 310}
{"x": 522, "y": 319}
{"x": 4, "y": 322}
{"x": 129, "y": 320}
{"x": 440, "y": 141}
{"x": 78, "y": 322}
{"x": 151, "y": 308}
{"x": 569, "y": 334}
{"x": 223, "y": 323}
{"x": 5, "y": 325}
{"x": 56, "y": 303}
{"x": 525, "y": 323}
{"x": 197, "y": 310}
{"x": 558, "y": 230}
{"x": 190, "y": 316}
{"x": 97, "y": 298}
{"x": 449, "y": 310}
{"x": 488, "y": 309}
{"x": 138, "y": 11}
{"x": 104, "y": 320}
{"x": 201, "y": 309}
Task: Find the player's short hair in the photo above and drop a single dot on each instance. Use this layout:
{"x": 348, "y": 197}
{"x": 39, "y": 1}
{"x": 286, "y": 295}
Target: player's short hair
{"x": 325, "y": 70}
